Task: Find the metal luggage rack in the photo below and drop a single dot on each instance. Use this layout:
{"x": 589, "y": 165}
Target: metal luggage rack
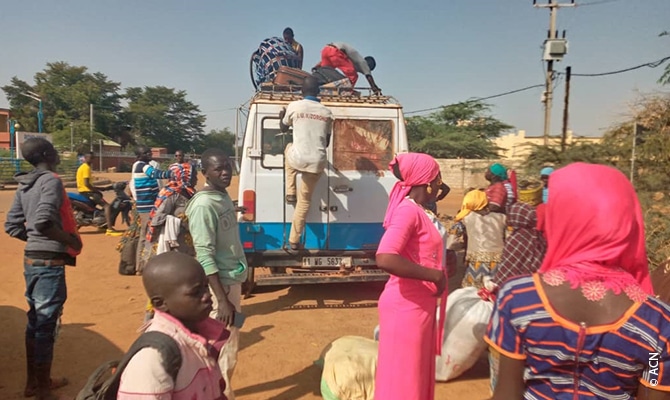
{"x": 343, "y": 95}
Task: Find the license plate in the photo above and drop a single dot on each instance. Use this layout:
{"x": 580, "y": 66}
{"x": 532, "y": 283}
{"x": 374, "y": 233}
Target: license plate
{"x": 326, "y": 261}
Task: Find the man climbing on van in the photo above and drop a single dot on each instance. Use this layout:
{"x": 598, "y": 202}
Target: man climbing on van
{"x": 348, "y": 60}
{"x": 312, "y": 124}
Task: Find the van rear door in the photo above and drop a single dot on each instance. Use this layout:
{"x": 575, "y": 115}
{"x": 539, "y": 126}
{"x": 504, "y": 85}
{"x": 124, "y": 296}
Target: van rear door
{"x": 363, "y": 145}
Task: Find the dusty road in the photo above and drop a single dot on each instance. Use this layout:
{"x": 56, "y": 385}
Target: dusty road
{"x": 285, "y": 332}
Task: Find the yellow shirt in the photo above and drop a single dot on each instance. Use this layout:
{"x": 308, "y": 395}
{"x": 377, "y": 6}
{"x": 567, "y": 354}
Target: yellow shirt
{"x": 83, "y": 172}
{"x": 297, "y": 47}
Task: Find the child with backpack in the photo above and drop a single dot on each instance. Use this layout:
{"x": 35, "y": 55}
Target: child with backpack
{"x": 182, "y": 362}
{"x": 42, "y": 217}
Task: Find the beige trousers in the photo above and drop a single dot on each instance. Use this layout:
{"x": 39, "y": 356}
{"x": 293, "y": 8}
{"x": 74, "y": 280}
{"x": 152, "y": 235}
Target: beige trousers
{"x": 228, "y": 355}
{"x": 304, "y": 197}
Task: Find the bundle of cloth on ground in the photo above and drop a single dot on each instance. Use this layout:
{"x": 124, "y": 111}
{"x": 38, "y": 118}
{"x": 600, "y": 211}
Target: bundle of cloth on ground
{"x": 349, "y": 366}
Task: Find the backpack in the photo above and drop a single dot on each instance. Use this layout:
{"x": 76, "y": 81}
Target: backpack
{"x": 99, "y": 388}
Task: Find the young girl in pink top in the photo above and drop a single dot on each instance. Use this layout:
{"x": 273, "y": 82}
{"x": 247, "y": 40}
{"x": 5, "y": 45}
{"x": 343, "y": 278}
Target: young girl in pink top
{"x": 412, "y": 251}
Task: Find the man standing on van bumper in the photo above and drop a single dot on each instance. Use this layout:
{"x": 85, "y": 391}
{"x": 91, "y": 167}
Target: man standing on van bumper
{"x": 312, "y": 123}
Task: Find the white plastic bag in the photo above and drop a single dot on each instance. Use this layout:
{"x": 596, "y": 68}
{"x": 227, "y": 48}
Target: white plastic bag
{"x": 467, "y": 317}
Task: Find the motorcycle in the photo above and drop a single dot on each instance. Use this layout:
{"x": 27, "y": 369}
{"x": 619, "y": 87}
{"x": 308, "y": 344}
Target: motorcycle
{"x": 87, "y": 213}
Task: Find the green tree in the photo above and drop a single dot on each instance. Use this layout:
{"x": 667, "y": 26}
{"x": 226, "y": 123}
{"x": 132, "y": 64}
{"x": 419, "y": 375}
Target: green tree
{"x": 652, "y": 149}
{"x": 221, "y": 139}
{"x": 652, "y": 163}
{"x": 161, "y": 116}
{"x": 66, "y": 92}
{"x": 542, "y": 156}
{"x": 463, "y": 130}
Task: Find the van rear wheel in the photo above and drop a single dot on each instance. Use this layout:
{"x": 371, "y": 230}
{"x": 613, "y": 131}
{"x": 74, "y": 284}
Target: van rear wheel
{"x": 249, "y": 285}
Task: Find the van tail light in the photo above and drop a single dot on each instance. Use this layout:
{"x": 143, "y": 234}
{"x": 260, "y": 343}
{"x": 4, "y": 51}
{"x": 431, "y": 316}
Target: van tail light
{"x": 249, "y": 203}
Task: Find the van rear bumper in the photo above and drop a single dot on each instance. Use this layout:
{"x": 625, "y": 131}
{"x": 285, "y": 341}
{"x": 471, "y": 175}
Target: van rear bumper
{"x": 279, "y": 267}
{"x": 297, "y": 278}
{"x": 290, "y": 259}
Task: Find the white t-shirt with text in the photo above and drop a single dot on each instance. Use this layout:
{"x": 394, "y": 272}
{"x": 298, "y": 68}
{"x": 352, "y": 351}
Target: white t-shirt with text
{"x": 312, "y": 123}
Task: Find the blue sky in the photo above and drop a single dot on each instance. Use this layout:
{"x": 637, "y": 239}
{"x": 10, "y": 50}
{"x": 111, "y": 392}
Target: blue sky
{"x": 429, "y": 53}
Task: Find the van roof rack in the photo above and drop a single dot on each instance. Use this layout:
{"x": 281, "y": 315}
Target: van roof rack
{"x": 272, "y": 92}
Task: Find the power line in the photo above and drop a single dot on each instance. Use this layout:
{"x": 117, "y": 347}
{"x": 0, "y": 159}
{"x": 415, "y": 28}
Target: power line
{"x": 595, "y": 3}
{"x": 220, "y": 110}
{"x": 652, "y": 64}
{"x": 477, "y": 99}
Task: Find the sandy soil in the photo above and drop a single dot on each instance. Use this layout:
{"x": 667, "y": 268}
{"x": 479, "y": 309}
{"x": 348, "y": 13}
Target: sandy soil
{"x": 285, "y": 332}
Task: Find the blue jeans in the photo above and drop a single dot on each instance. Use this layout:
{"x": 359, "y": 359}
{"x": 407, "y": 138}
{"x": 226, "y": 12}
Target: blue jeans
{"x": 46, "y": 293}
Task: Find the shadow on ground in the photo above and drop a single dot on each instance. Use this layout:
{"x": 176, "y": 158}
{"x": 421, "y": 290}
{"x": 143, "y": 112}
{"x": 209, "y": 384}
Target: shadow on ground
{"x": 79, "y": 351}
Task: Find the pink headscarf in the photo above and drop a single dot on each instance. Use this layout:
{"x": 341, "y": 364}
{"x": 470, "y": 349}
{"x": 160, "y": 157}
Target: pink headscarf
{"x": 415, "y": 169}
{"x": 595, "y": 230}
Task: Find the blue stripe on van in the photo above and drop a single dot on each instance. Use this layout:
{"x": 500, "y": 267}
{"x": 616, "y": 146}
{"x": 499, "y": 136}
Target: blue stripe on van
{"x": 343, "y": 236}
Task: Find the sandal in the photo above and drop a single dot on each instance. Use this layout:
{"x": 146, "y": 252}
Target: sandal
{"x": 293, "y": 248}
{"x": 291, "y": 199}
{"x": 56, "y": 383}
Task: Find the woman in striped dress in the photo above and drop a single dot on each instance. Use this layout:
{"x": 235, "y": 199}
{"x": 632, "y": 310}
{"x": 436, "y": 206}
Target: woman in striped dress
{"x": 585, "y": 326}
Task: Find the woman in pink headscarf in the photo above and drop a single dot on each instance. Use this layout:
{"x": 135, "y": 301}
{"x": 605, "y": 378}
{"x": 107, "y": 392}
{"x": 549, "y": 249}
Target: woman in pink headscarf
{"x": 585, "y": 326}
{"x": 412, "y": 250}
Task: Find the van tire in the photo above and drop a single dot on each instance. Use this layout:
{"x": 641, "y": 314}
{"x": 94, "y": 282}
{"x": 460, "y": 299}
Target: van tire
{"x": 249, "y": 285}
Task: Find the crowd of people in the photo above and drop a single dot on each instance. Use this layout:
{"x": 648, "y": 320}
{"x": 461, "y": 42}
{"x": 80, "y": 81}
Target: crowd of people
{"x": 575, "y": 314}
{"x": 185, "y": 244}
{"x": 574, "y": 317}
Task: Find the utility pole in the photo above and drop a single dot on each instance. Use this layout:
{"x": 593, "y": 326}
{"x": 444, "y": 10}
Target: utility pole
{"x": 632, "y": 156}
{"x": 235, "y": 143}
{"x": 40, "y": 115}
{"x": 90, "y": 123}
{"x": 554, "y": 50}
{"x": 71, "y": 136}
{"x": 564, "y": 135}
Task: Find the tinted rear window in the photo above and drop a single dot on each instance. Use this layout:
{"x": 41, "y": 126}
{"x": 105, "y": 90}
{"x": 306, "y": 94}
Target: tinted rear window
{"x": 362, "y": 145}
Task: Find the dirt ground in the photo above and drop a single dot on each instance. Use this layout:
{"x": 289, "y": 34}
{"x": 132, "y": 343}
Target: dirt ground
{"x": 285, "y": 332}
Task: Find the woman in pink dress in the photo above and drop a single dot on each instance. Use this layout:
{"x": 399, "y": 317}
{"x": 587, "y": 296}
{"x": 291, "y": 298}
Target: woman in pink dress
{"x": 412, "y": 251}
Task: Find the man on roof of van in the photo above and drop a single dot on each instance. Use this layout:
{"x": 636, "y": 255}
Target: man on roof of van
{"x": 312, "y": 124}
{"x": 348, "y": 60}
{"x": 297, "y": 47}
